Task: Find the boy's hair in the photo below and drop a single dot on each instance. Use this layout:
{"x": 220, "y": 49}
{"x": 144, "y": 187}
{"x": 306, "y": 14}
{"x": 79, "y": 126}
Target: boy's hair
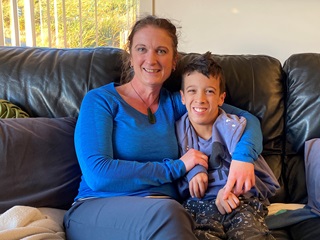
{"x": 206, "y": 65}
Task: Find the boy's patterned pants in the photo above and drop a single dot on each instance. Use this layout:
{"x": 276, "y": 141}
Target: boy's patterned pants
{"x": 245, "y": 222}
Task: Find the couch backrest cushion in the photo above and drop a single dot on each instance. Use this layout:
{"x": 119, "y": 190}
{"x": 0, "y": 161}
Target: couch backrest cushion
{"x": 38, "y": 164}
{"x": 48, "y": 82}
{"x": 303, "y": 99}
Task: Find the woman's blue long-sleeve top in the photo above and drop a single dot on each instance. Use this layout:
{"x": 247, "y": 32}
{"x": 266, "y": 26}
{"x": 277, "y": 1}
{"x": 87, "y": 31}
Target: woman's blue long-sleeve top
{"x": 121, "y": 153}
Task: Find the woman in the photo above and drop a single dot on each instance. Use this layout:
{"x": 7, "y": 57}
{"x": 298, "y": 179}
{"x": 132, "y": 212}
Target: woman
{"x": 128, "y": 153}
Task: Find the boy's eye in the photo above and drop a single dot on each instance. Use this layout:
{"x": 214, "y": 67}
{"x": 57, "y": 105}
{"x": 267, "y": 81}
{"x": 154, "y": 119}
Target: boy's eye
{"x": 210, "y": 91}
{"x": 191, "y": 91}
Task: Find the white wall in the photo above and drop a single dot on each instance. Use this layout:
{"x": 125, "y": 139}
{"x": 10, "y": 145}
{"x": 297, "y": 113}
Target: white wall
{"x": 277, "y": 28}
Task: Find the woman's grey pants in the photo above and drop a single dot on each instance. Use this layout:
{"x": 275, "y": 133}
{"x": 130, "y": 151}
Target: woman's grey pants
{"x": 128, "y": 218}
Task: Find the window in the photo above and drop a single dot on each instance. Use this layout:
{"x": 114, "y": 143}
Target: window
{"x": 66, "y": 23}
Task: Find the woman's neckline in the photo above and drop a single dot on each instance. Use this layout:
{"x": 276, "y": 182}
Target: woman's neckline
{"x": 124, "y": 99}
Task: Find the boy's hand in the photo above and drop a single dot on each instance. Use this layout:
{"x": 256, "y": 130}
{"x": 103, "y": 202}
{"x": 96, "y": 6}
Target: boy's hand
{"x": 198, "y": 185}
{"x": 241, "y": 178}
{"x": 226, "y": 205}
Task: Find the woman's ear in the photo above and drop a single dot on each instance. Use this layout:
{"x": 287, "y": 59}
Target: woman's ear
{"x": 174, "y": 64}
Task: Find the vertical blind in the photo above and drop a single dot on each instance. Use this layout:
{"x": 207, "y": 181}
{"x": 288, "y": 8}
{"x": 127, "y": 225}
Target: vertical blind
{"x": 66, "y": 23}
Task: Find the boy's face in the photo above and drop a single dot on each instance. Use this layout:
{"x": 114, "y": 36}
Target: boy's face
{"x": 202, "y": 98}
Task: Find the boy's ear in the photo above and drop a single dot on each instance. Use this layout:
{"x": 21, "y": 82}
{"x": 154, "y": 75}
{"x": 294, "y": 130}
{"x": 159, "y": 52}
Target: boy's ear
{"x": 222, "y": 97}
{"x": 182, "y": 97}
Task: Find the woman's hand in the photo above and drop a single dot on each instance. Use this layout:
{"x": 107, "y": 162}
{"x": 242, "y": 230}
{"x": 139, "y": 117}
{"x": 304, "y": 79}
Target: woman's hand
{"x": 241, "y": 178}
{"x": 194, "y": 157}
{"x": 198, "y": 185}
{"x": 226, "y": 205}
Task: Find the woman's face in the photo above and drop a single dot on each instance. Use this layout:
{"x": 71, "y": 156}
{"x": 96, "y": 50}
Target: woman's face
{"x": 152, "y": 55}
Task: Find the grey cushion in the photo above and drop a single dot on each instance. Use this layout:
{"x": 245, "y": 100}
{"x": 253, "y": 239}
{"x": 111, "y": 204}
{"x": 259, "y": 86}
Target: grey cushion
{"x": 312, "y": 165}
{"x": 38, "y": 164}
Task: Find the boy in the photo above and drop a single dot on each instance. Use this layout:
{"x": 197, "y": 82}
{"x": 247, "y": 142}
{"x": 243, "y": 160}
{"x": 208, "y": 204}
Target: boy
{"x": 207, "y": 128}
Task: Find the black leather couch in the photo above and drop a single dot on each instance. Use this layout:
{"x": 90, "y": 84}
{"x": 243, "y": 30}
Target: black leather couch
{"x": 50, "y": 83}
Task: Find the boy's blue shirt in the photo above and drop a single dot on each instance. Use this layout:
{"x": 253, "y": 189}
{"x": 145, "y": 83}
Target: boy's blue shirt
{"x": 226, "y": 132}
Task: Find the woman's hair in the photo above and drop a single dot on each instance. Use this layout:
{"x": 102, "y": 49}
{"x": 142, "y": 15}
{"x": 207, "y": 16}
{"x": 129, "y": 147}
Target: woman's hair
{"x": 204, "y": 64}
{"x": 162, "y": 23}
